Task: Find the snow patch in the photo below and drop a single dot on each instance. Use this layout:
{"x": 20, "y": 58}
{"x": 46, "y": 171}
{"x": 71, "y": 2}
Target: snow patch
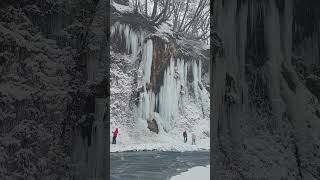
{"x": 122, "y": 8}
{"x": 198, "y": 172}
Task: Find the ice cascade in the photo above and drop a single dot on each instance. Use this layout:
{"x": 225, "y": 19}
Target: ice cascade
{"x": 180, "y": 83}
{"x": 164, "y": 105}
{"x": 133, "y": 38}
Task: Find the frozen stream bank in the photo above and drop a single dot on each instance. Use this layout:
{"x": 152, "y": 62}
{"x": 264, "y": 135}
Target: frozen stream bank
{"x": 154, "y": 165}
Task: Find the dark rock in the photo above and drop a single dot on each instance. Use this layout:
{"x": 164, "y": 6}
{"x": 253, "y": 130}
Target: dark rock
{"x": 148, "y": 86}
{"x": 200, "y": 85}
{"x": 153, "y": 126}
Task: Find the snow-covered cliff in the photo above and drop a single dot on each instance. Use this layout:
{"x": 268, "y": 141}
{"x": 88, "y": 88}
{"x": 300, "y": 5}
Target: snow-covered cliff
{"x": 158, "y": 89}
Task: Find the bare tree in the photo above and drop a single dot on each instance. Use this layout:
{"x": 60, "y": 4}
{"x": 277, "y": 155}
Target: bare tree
{"x": 155, "y": 6}
{"x": 146, "y": 7}
{"x": 194, "y": 23}
{"x": 189, "y": 17}
{"x": 165, "y": 7}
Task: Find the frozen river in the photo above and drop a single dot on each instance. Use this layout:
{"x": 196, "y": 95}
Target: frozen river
{"x": 154, "y": 165}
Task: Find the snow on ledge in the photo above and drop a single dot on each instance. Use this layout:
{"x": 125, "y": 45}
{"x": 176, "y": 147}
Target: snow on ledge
{"x": 122, "y": 8}
{"x": 198, "y": 172}
{"x": 175, "y": 147}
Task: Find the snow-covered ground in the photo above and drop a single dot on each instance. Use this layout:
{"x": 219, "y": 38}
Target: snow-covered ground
{"x": 198, "y": 172}
{"x": 165, "y": 142}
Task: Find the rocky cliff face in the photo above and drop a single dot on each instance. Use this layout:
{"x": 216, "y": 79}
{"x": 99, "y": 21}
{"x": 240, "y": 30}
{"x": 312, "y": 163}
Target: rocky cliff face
{"x": 266, "y": 121}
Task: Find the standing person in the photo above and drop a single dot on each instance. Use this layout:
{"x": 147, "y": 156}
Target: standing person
{"x": 193, "y": 139}
{"x": 115, "y": 134}
{"x": 185, "y": 136}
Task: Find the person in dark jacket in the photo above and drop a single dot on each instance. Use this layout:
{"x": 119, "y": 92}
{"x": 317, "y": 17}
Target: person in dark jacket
{"x": 185, "y": 136}
{"x": 115, "y": 134}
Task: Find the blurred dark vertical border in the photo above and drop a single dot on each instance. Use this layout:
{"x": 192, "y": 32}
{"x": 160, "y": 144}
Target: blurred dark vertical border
{"x": 273, "y": 94}
{"x": 212, "y": 54}
{"x": 54, "y": 89}
{"x": 107, "y": 118}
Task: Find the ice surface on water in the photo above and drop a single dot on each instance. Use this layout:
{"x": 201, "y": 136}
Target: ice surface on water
{"x": 168, "y": 164}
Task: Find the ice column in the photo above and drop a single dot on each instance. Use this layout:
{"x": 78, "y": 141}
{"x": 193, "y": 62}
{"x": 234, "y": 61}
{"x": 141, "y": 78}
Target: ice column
{"x": 147, "y": 59}
{"x": 174, "y": 87}
{"x": 196, "y": 70}
{"x": 147, "y": 97}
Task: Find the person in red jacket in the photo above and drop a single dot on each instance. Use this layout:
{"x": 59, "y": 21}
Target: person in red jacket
{"x": 115, "y": 134}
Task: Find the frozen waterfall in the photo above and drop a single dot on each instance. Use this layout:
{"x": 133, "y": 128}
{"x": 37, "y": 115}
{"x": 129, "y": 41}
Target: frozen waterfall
{"x": 165, "y": 103}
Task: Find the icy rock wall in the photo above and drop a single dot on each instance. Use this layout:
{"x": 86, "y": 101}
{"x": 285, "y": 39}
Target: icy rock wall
{"x": 163, "y": 104}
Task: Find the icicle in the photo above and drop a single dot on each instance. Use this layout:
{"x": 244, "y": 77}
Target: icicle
{"x": 147, "y": 59}
{"x": 195, "y": 77}
{"x": 168, "y": 96}
{"x": 134, "y": 43}
{"x": 133, "y": 39}
{"x": 113, "y": 29}
{"x": 199, "y": 71}
{"x": 127, "y": 38}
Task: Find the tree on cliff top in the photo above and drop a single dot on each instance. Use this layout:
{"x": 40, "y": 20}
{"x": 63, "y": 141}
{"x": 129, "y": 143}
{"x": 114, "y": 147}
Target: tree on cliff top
{"x": 190, "y": 18}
